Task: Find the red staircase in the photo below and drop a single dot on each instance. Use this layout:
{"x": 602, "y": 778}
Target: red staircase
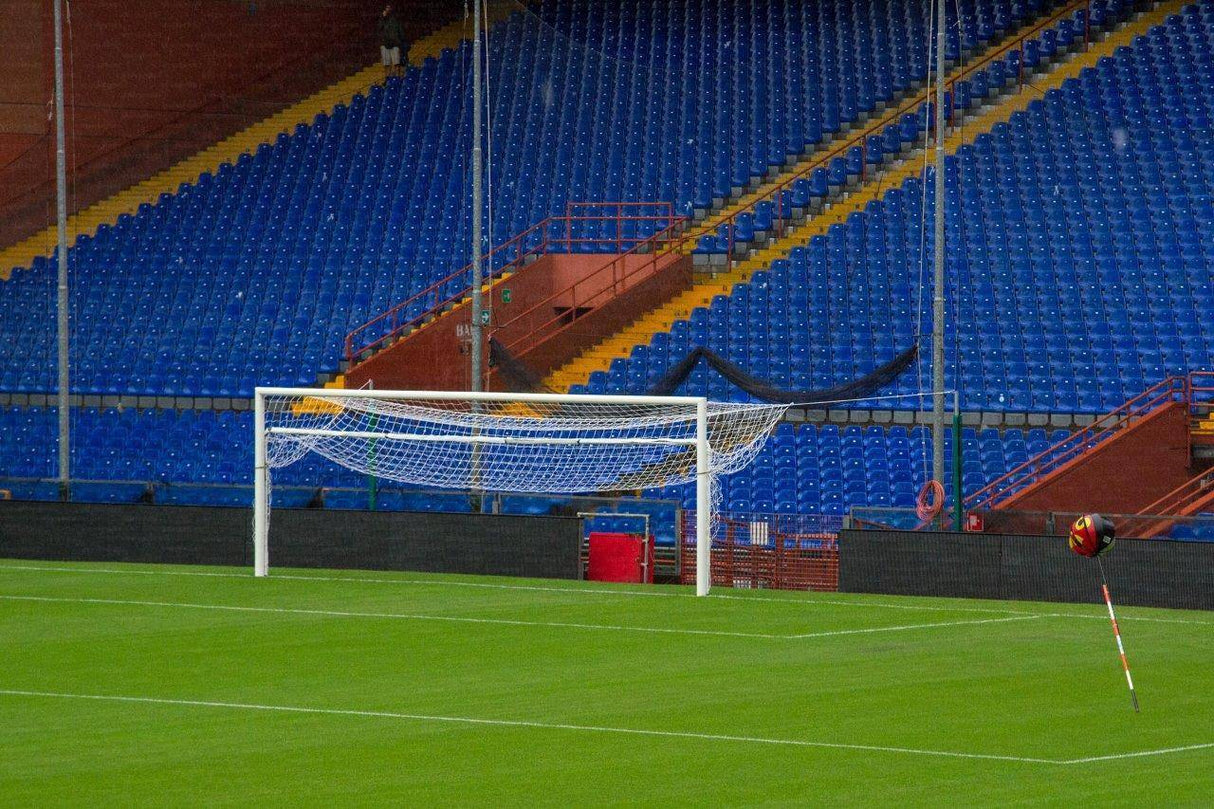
{"x": 571, "y": 278}
{"x": 1121, "y": 463}
{"x": 1192, "y": 497}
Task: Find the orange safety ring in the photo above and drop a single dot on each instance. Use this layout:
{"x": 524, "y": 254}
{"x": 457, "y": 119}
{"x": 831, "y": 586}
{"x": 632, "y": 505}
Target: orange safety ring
{"x": 930, "y": 501}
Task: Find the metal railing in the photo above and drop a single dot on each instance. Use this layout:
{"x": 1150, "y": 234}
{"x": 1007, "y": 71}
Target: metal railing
{"x": 591, "y": 290}
{"x": 576, "y": 229}
{"x": 767, "y": 551}
{"x": 1046, "y": 523}
{"x": 1172, "y": 389}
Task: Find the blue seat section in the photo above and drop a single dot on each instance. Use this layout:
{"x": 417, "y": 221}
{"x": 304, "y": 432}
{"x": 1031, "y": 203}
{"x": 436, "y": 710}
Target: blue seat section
{"x": 829, "y": 469}
{"x": 254, "y": 274}
{"x": 1081, "y": 237}
{"x": 203, "y": 458}
{"x": 1061, "y": 35}
{"x": 189, "y": 454}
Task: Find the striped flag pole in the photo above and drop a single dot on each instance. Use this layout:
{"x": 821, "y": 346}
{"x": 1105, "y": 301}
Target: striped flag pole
{"x": 1125, "y": 664}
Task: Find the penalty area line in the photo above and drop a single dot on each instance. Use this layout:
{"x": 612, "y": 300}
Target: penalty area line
{"x": 905, "y": 627}
{"x": 1161, "y": 752}
{"x": 523, "y": 723}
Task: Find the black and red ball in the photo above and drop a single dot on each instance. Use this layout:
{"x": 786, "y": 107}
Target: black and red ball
{"x": 1091, "y": 535}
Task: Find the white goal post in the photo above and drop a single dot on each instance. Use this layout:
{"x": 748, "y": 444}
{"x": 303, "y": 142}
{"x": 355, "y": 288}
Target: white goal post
{"x": 524, "y": 442}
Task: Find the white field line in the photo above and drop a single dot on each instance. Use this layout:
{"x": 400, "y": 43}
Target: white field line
{"x": 522, "y": 723}
{"x": 405, "y": 616}
{"x": 904, "y": 627}
{"x": 1161, "y": 752}
{"x": 821, "y": 601}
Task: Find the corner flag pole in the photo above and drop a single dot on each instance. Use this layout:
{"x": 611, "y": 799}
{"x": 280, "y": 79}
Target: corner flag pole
{"x": 1104, "y": 586}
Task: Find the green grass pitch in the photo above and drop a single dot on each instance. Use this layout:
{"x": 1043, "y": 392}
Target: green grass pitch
{"x": 130, "y": 685}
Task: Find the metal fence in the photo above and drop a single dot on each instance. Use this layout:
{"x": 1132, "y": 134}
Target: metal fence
{"x": 767, "y": 551}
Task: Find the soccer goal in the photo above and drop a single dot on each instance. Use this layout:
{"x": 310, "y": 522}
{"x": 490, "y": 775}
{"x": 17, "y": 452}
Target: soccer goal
{"x": 513, "y": 442}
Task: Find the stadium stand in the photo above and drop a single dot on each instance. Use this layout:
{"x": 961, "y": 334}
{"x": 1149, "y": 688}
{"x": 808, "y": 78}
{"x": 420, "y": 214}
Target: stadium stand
{"x": 143, "y": 97}
{"x": 1084, "y": 274}
{"x": 263, "y": 266}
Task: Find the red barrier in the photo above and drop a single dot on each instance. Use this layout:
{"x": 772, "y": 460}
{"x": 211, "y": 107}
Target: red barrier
{"x": 620, "y": 558}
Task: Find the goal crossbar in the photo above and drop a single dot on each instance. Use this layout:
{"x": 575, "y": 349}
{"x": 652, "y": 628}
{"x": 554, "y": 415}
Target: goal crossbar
{"x": 477, "y": 396}
{"x": 481, "y": 439}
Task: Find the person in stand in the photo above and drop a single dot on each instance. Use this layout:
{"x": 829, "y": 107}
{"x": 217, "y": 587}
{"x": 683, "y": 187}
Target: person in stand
{"x": 391, "y": 38}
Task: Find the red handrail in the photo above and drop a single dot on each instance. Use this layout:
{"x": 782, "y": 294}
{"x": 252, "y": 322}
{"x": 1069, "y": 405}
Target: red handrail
{"x": 1186, "y": 493}
{"x": 394, "y": 315}
{"x": 651, "y": 247}
{"x": 394, "y": 321}
{"x": 861, "y": 139}
{"x": 1078, "y": 442}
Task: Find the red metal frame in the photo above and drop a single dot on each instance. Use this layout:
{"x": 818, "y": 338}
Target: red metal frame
{"x": 779, "y": 563}
{"x": 1172, "y": 389}
{"x": 656, "y": 247}
{"x": 861, "y": 139}
{"x": 1185, "y": 494}
{"x": 551, "y": 233}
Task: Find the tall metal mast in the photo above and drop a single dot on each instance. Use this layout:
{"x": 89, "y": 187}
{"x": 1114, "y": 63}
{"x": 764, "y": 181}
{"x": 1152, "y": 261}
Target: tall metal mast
{"x": 477, "y": 195}
{"x": 62, "y": 313}
{"x": 938, "y": 280}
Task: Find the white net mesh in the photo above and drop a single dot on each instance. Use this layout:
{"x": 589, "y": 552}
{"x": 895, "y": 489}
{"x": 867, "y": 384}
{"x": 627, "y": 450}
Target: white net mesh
{"x": 568, "y": 446}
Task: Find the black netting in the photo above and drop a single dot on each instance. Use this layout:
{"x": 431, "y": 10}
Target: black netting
{"x": 519, "y": 378}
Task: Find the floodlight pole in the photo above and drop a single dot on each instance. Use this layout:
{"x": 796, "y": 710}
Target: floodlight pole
{"x": 477, "y": 196}
{"x": 938, "y": 279}
{"x": 478, "y": 335}
{"x": 65, "y": 456}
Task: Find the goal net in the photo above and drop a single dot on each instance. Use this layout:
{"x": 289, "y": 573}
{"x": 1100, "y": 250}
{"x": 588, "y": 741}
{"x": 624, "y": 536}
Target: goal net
{"x": 514, "y": 442}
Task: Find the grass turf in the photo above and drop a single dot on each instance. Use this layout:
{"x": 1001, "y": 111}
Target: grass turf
{"x": 772, "y": 670}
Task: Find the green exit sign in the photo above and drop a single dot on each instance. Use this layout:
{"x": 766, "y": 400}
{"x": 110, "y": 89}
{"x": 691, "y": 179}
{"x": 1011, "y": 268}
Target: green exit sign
{"x": 506, "y": 295}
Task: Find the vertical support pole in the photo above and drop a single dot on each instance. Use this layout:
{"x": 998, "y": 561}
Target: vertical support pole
{"x": 65, "y": 451}
{"x": 261, "y": 479}
{"x": 478, "y": 336}
{"x": 703, "y": 501}
{"x": 477, "y": 192}
{"x": 958, "y": 497}
{"x": 938, "y": 278}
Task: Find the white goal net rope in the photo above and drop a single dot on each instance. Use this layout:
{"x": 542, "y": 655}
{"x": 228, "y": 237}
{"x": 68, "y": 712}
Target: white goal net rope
{"x": 566, "y": 446}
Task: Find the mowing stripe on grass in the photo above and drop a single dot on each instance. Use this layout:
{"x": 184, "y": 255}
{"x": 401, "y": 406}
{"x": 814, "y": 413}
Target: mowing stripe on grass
{"x": 403, "y": 616}
{"x": 522, "y": 723}
{"x": 820, "y": 599}
{"x": 505, "y": 621}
